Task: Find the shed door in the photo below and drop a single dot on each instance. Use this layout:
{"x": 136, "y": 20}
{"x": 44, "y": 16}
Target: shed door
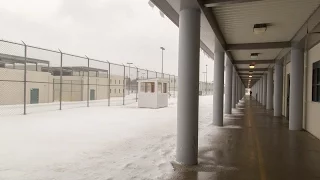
{"x": 34, "y": 96}
{"x": 92, "y": 94}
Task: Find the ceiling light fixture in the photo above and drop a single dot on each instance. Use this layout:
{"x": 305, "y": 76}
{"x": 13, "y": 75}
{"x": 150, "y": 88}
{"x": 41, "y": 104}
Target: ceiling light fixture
{"x": 254, "y": 55}
{"x": 260, "y": 28}
{"x": 250, "y": 76}
{"x": 251, "y": 66}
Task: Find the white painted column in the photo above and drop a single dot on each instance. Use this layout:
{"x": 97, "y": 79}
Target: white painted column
{"x": 270, "y": 89}
{"x": 188, "y": 71}
{"x": 218, "y": 85}
{"x": 261, "y": 90}
{"x": 278, "y": 88}
{"x": 228, "y": 87}
{"x": 296, "y": 89}
{"x": 264, "y": 98}
{"x": 239, "y": 89}
{"x": 234, "y": 88}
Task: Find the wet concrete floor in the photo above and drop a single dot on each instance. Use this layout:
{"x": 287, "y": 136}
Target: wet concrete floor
{"x": 262, "y": 149}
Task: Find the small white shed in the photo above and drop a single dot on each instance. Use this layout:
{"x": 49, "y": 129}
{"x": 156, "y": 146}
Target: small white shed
{"x": 153, "y": 93}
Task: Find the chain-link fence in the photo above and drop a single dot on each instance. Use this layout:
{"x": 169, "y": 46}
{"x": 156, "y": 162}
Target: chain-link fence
{"x": 34, "y": 79}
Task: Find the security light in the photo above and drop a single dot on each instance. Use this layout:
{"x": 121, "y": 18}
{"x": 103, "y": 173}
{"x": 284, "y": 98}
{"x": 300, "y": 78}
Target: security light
{"x": 260, "y": 28}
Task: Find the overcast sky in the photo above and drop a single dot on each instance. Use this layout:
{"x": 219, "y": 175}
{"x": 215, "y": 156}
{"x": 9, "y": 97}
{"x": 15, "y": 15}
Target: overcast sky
{"x": 119, "y": 31}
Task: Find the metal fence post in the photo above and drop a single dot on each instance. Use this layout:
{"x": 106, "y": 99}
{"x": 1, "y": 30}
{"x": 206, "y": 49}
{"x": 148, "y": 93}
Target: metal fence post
{"x": 71, "y": 89}
{"x": 109, "y": 90}
{"x": 60, "y": 98}
{"x": 137, "y": 85}
{"x": 169, "y": 86}
{"x": 25, "y": 81}
{"x": 88, "y": 79}
{"x": 174, "y": 86}
{"x": 124, "y": 81}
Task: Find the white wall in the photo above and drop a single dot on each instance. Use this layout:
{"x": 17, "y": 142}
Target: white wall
{"x": 12, "y": 86}
{"x": 75, "y": 88}
{"x": 313, "y": 108}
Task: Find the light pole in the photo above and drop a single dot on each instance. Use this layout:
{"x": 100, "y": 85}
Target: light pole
{"x": 162, "y": 49}
{"x": 129, "y": 78}
{"x": 204, "y": 78}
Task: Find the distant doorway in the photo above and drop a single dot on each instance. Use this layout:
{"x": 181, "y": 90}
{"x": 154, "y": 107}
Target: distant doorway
{"x": 34, "y": 96}
{"x": 92, "y": 94}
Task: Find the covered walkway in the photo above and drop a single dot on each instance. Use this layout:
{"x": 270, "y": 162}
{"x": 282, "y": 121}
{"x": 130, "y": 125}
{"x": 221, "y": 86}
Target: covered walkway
{"x": 263, "y": 148}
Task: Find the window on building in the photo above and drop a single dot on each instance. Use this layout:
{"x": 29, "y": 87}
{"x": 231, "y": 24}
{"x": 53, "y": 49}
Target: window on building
{"x": 159, "y": 87}
{"x": 115, "y": 91}
{"x": 119, "y": 90}
{"x": 316, "y": 82}
{"x": 143, "y": 87}
{"x": 150, "y": 87}
{"x": 165, "y": 88}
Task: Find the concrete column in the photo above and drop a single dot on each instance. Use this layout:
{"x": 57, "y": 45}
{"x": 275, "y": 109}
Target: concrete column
{"x": 228, "y": 87}
{"x": 239, "y": 89}
{"x": 278, "y": 88}
{"x": 261, "y": 90}
{"x": 270, "y": 89}
{"x": 296, "y": 89}
{"x": 237, "y": 82}
{"x": 218, "y": 85}
{"x": 188, "y": 71}
{"x": 264, "y": 98}
{"x": 234, "y": 88}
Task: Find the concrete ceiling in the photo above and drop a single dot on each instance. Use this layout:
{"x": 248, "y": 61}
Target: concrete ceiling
{"x": 285, "y": 18}
{"x": 232, "y": 21}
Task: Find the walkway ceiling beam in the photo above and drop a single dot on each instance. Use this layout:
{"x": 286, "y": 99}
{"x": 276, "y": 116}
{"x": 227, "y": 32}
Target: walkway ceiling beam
{"x": 208, "y": 13}
{"x": 247, "y": 74}
{"x": 167, "y": 9}
{"x": 255, "y": 69}
{"x": 308, "y": 27}
{"x": 265, "y": 61}
{"x": 268, "y": 45}
{"x": 214, "y": 3}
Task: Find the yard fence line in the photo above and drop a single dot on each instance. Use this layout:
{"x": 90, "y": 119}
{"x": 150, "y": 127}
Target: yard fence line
{"x": 35, "y": 79}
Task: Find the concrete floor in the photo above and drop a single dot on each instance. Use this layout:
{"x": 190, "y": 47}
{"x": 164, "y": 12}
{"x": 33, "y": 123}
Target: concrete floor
{"x": 262, "y": 149}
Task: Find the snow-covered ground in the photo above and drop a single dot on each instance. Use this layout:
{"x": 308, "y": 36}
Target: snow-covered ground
{"x": 122, "y": 142}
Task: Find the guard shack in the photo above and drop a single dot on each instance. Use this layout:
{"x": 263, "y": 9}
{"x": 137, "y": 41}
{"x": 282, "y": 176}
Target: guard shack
{"x": 153, "y": 93}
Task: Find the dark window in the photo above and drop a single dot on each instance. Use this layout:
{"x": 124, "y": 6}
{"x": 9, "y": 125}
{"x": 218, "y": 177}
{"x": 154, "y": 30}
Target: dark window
{"x": 316, "y": 82}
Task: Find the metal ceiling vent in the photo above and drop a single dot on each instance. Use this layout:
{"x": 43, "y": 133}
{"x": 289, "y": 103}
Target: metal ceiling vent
{"x": 260, "y": 28}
